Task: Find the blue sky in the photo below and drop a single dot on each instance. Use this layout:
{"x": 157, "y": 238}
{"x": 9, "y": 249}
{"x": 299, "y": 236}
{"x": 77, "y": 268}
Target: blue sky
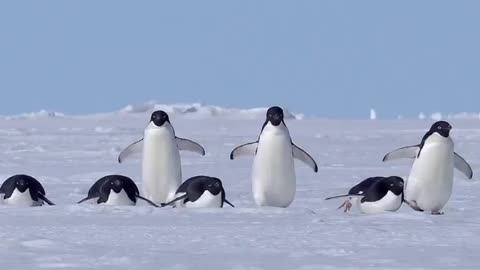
{"x": 325, "y": 58}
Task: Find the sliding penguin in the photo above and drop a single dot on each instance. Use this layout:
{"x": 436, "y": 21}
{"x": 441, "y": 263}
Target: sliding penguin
{"x": 429, "y": 185}
{"x": 375, "y": 195}
{"x": 24, "y": 191}
{"x": 273, "y": 174}
{"x": 115, "y": 190}
{"x": 200, "y": 192}
{"x": 161, "y": 167}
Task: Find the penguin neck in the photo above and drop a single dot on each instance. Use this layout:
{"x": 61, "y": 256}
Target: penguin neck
{"x": 165, "y": 128}
{"x": 269, "y": 129}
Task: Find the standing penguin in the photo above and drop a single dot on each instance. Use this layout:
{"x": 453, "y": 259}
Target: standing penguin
{"x": 115, "y": 190}
{"x": 200, "y": 192}
{"x": 23, "y": 190}
{"x": 430, "y": 182}
{"x": 273, "y": 176}
{"x": 375, "y": 195}
{"x": 161, "y": 167}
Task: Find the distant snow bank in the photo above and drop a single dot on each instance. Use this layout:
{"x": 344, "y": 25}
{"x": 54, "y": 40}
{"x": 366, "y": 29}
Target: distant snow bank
{"x": 198, "y": 110}
{"x": 439, "y": 116}
{"x": 195, "y": 111}
{"x": 34, "y": 115}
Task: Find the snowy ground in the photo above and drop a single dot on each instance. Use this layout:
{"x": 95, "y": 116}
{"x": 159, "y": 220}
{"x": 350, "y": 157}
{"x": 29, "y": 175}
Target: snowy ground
{"x": 68, "y": 154}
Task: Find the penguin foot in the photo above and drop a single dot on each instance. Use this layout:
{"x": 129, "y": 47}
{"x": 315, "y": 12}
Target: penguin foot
{"x": 437, "y": 213}
{"x": 347, "y": 204}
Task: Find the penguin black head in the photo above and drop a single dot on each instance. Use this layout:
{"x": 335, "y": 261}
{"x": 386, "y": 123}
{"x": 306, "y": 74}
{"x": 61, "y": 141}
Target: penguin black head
{"x": 275, "y": 115}
{"x": 441, "y": 127}
{"x": 213, "y": 185}
{"x": 394, "y": 184}
{"x": 116, "y": 185}
{"x": 159, "y": 118}
{"x": 22, "y": 184}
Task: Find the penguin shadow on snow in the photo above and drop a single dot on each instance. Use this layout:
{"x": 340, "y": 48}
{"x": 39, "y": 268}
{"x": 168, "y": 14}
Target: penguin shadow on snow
{"x": 374, "y": 195}
{"x": 115, "y": 190}
{"x": 23, "y": 191}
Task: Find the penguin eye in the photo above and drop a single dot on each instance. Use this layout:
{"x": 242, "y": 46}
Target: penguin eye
{"x": 391, "y": 185}
{"x": 439, "y": 127}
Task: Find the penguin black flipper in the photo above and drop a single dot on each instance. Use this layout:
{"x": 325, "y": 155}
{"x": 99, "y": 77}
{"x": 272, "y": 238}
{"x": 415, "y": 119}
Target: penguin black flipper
{"x": 87, "y": 199}
{"x": 147, "y": 200}
{"x": 43, "y": 198}
{"x": 188, "y": 145}
{"x": 410, "y": 152}
{"x": 174, "y": 201}
{"x": 133, "y": 148}
{"x": 462, "y": 165}
{"x": 344, "y": 196}
{"x": 302, "y": 155}
{"x": 244, "y": 150}
{"x": 229, "y": 203}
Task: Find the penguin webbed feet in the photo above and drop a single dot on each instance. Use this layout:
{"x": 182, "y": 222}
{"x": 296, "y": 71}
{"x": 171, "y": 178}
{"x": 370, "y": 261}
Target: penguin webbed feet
{"x": 347, "y": 204}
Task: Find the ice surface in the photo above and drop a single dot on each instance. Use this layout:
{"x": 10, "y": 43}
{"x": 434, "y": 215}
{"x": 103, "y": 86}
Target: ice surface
{"x": 68, "y": 154}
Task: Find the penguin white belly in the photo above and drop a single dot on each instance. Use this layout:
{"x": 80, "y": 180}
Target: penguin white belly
{"x": 431, "y": 178}
{"x": 161, "y": 169}
{"x": 207, "y": 200}
{"x": 273, "y": 178}
{"x": 390, "y": 202}
{"x": 120, "y": 198}
{"x": 21, "y": 199}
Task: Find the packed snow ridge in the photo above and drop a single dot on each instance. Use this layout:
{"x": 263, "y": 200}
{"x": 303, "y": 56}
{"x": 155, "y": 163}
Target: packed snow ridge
{"x": 198, "y": 110}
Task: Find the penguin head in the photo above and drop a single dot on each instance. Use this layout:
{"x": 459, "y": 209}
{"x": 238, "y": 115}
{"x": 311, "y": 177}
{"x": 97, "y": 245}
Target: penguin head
{"x": 213, "y": 185}
{"x": 116, "y": 185}
{"x": 441, "y": 127}
{"x": 159, "y": 118}
{"x": 22, "y": 185}
{"x": 395, "y": 184}
{"x": 275, "y": 115}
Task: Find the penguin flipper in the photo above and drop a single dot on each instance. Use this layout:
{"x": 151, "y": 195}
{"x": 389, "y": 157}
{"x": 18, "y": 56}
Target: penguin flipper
{"x": 133, "y": 148}
{"x": 409, "y": 152}
{"x": 147, "y": 200}
{"x": 86, "y": 199}
{"x": 344, "y": 196}
{"x": 229, "y": 203}
{"x": 462, "y": 165}
{"x": 43, "y": 198}
{"x": 302, "y": 155}
{"x": 188, "y": 145}
{"x": 173, "y": 202}
{"x": 244, "y": 150}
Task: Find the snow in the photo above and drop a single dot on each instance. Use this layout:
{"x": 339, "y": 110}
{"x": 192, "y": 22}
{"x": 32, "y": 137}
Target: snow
{"x": 67, "y": 154}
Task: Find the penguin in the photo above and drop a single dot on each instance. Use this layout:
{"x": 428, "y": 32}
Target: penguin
{"x": 273, "y": 172}
{"x": 375, "y": 195}
{"x": 23, "y": 190}
{"x": 429, "y": 185}
{"x": 115, "y": 190}
{"x": 161, "y": 166}
{"x": 200, "y": 192}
